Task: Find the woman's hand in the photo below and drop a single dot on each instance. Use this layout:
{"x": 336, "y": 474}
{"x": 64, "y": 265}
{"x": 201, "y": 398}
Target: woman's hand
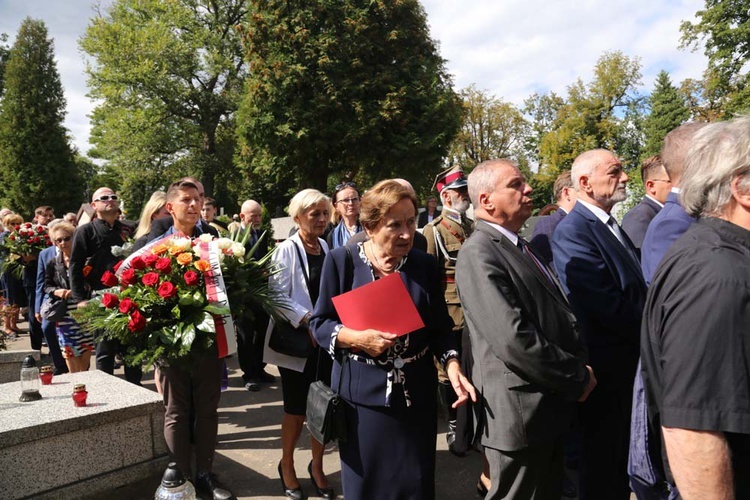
{"x": 460, "y": 383}
{"x": 62, "y": 293}
{"x": 373, "y": 342}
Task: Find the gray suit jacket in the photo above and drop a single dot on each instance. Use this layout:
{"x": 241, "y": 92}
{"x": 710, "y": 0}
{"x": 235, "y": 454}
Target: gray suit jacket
{"x": 529, "y": 358}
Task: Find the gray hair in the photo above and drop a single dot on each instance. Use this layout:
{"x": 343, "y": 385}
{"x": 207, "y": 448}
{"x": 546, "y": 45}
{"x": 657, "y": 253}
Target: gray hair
{"x": 584, "y": 164}
{"x": 720, "y": 152}
{"x": 675, "y": 148}
{"x": 483, "y": 179}
{"x": 306, "y": 199}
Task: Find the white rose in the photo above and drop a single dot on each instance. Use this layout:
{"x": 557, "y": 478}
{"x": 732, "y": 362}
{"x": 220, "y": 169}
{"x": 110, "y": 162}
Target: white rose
{"x": 224, "y": 243}
{"x": 238, "y": 250}
{"x": 183, "y": 244}
{"x": 116, "y": 250}
{"x": 205, "y": 237}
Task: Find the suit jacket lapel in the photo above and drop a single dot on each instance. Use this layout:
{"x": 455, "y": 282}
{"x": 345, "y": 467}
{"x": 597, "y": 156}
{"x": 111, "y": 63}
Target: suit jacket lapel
{"x": 611, "y": 241}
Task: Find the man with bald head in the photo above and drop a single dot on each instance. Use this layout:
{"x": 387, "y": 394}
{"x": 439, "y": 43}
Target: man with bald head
{"x": 251, "y": 336}
{"x": 90, "y": 257}
{"x": 599, "y": 270}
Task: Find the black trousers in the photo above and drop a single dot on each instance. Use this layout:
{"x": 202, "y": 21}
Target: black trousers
{"x": 195, "y": 390}
{"x": 534, "y": 473}
{"x": 250, "y": 340}
{"x": 35, "y": 329}
{"x": 50, "y": 335}
{"x": 106, "y": 349}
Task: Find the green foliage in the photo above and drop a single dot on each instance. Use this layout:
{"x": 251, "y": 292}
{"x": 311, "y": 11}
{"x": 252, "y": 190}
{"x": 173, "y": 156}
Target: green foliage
{"x": 668, "y": 111}
{"x": 491, "y": 129}
{"x": 169, "y": 74}
{"x": 342, "y": 89}
{"x": 36, "y": 161}
{"x": 724, "y": 29}
{"x": 4, "y": 55}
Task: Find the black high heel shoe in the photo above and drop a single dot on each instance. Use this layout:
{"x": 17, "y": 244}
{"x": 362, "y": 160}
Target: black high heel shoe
{"x": 481, "y": 489}
{"x": 323, "y": 493}
{"x": 293, "y": 493}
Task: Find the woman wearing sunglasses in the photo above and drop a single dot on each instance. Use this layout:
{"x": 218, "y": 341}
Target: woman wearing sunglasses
{"x": 345, "y": 216}
{"x": 76, "y": 345}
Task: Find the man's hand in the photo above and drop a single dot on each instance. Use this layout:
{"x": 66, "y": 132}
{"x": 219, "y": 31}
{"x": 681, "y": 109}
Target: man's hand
{"x": 38, "y": 317}
{"x": 590, "y": 386}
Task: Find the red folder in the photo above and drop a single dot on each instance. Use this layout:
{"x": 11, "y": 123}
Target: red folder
{"x": 383, "y": 305}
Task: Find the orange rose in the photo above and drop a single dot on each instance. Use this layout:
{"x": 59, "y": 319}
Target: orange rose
{"x": 202, "y": 265}
{"x": 185, "y": 258}
{"x": 176, "y": 250}
{"x": 160, "y": 249}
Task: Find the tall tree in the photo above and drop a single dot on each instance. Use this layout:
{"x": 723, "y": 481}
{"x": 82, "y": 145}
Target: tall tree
{"x": 169, "y": 75}
{"x": 342, "y": 88}
{"x": 724, "y": 28}
{"x": 4, "y": 55}
{"x": 491, "y": 128}
{"x": 36, "y": 161}
{"x": 668, "y": 111}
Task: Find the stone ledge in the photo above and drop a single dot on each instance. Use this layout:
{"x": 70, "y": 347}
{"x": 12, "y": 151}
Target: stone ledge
{"x": 10, "y": 364}
{"x": 110, "y": 399}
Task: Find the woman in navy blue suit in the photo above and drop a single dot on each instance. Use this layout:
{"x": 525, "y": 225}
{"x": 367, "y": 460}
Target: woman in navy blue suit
{"x": 389, "y": 381}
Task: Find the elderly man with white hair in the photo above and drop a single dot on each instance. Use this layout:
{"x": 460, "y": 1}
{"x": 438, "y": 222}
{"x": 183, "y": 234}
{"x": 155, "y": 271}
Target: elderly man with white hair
{"x": 695, "y": 339}
{"x": 599, "y": 270}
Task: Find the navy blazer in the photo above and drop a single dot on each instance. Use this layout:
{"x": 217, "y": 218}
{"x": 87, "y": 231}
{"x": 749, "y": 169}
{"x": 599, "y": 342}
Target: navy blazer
{"x": 541, "y": 238}
{"x": 366, "y": 383}
{"x": 45, "y": 256}
{"x": 636, "y": 221}
{"x": 605, "y": 288}
{"x": 668, "y": 225}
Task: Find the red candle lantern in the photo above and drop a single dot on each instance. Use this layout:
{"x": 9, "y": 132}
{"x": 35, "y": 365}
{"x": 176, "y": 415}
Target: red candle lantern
{"x": 80, "y": 394}
{"x": 45, "y": 375}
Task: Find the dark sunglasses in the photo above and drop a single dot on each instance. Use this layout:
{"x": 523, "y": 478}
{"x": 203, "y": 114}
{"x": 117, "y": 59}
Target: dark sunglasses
{"x": 63, "y": 239}
{"x": 107, "y": 197}
{"x": 345, "y": 185}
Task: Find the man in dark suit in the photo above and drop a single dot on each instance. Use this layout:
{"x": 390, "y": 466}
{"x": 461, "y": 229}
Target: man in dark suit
{"x": 656, "y": 184}
{"x": 672, "y": 221}
{"x": 529, "y": 357}
{"x": 251, "y": 336}
{"x": 541, "y": 238}
{"x": 598, "y": 266}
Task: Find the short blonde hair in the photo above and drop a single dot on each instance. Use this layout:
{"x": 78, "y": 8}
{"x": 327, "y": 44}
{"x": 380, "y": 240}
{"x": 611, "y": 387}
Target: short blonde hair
{"x": 11, "y": 220}
{"x": 61, "y": 227}
{"x": 305, "y": 199}
{"x": 377, "y": 201}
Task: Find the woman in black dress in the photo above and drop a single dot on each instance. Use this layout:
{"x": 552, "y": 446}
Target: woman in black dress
{"x": 389, "y": 382}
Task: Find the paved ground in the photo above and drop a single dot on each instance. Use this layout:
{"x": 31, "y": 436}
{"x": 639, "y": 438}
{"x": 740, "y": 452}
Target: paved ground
{"x": 249, "y": 447}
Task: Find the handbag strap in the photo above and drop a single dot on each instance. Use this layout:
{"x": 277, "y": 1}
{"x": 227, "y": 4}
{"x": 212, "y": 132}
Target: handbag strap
{"x": 302, "y": 264}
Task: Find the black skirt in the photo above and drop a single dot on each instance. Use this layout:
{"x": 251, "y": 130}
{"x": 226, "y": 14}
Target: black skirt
{"x": 294, "y": 384}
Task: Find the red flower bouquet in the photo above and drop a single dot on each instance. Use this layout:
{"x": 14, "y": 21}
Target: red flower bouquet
{"x": 22, "y": 242}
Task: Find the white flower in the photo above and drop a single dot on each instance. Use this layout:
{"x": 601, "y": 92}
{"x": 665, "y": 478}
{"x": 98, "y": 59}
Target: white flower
{"x": 224, "y": 243}
{"x": 238, "y": 250}
{"x": 205, "y": 237}
{"x": 117, "y": 250}
{"x": 183, "y": 244}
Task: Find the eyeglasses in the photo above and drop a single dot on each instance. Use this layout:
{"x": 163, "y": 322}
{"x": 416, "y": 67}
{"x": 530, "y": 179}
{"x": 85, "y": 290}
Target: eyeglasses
{"x": 107, "y": 197}
{"x": 63, "y": 239}
{"x": 348, "y": 200}
{"x": 345, "y": 185}
{"x": 660, "y": 180}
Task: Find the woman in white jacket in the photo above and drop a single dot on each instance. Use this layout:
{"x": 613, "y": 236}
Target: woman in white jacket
{"x": 301, "y": 262}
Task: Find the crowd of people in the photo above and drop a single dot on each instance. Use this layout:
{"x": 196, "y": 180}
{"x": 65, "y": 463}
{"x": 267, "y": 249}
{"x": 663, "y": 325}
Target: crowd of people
{"x": 620, "y": 351}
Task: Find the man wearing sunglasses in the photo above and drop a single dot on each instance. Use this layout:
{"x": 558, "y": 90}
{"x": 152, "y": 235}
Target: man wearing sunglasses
{"x": 90, "y": 257}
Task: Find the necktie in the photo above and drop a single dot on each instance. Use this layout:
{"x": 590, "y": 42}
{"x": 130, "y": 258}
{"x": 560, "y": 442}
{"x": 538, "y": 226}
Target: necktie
{"x": 615, "y": 227}
{"x": 530, "y": 255}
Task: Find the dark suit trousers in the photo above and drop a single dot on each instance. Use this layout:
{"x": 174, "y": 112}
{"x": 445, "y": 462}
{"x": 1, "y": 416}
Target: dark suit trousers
{"x": 605, "y": 418}
{"x": 250, "y": 340}
{"x": 35, "y": 329}
{"x": 196, "y": 389}
{"x": 50, "y": 335}
{"x": 534, "y": 473}
{"x": 106, "y": 349}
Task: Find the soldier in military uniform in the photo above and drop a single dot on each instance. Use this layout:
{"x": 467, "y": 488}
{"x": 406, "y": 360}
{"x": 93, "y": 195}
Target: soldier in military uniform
{"x": 445, "y": 235}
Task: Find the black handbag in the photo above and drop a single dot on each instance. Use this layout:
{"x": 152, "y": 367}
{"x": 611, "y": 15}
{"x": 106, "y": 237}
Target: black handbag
{"x": 288, "y": 340}
{"x": 53, "y": 308}
{"x": 326, "y": 412}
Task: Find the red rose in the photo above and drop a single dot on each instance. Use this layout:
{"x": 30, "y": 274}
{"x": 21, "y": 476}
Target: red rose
{"x": 164, "y": 265}
{"x": 16, "y": 227}
{"x": 39, "y": 229}
{"x": 167, "y": 290}
{"x": 137, "y": 263}
{"x": 150, "y": 279}
{"x": 191, "y": 278}
{"x": 117, "y": 266}
{"x": 109, "y": 279}
{"x": 126, "y": 305}
{"x": 12, "y": 237}
{"x": 128, "y": 276}
{"x": 150, "y": 259}
{"x": 137, "y": 321}
{"x": 110, "y": 301}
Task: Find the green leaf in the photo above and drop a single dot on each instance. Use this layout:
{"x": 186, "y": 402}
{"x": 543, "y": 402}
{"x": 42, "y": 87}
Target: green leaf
{"x": 188, "y": 336}
{"x": 216, "y": 309}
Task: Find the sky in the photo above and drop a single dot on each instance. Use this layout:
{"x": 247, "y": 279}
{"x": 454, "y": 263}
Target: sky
{"x": 509, "y": 48}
